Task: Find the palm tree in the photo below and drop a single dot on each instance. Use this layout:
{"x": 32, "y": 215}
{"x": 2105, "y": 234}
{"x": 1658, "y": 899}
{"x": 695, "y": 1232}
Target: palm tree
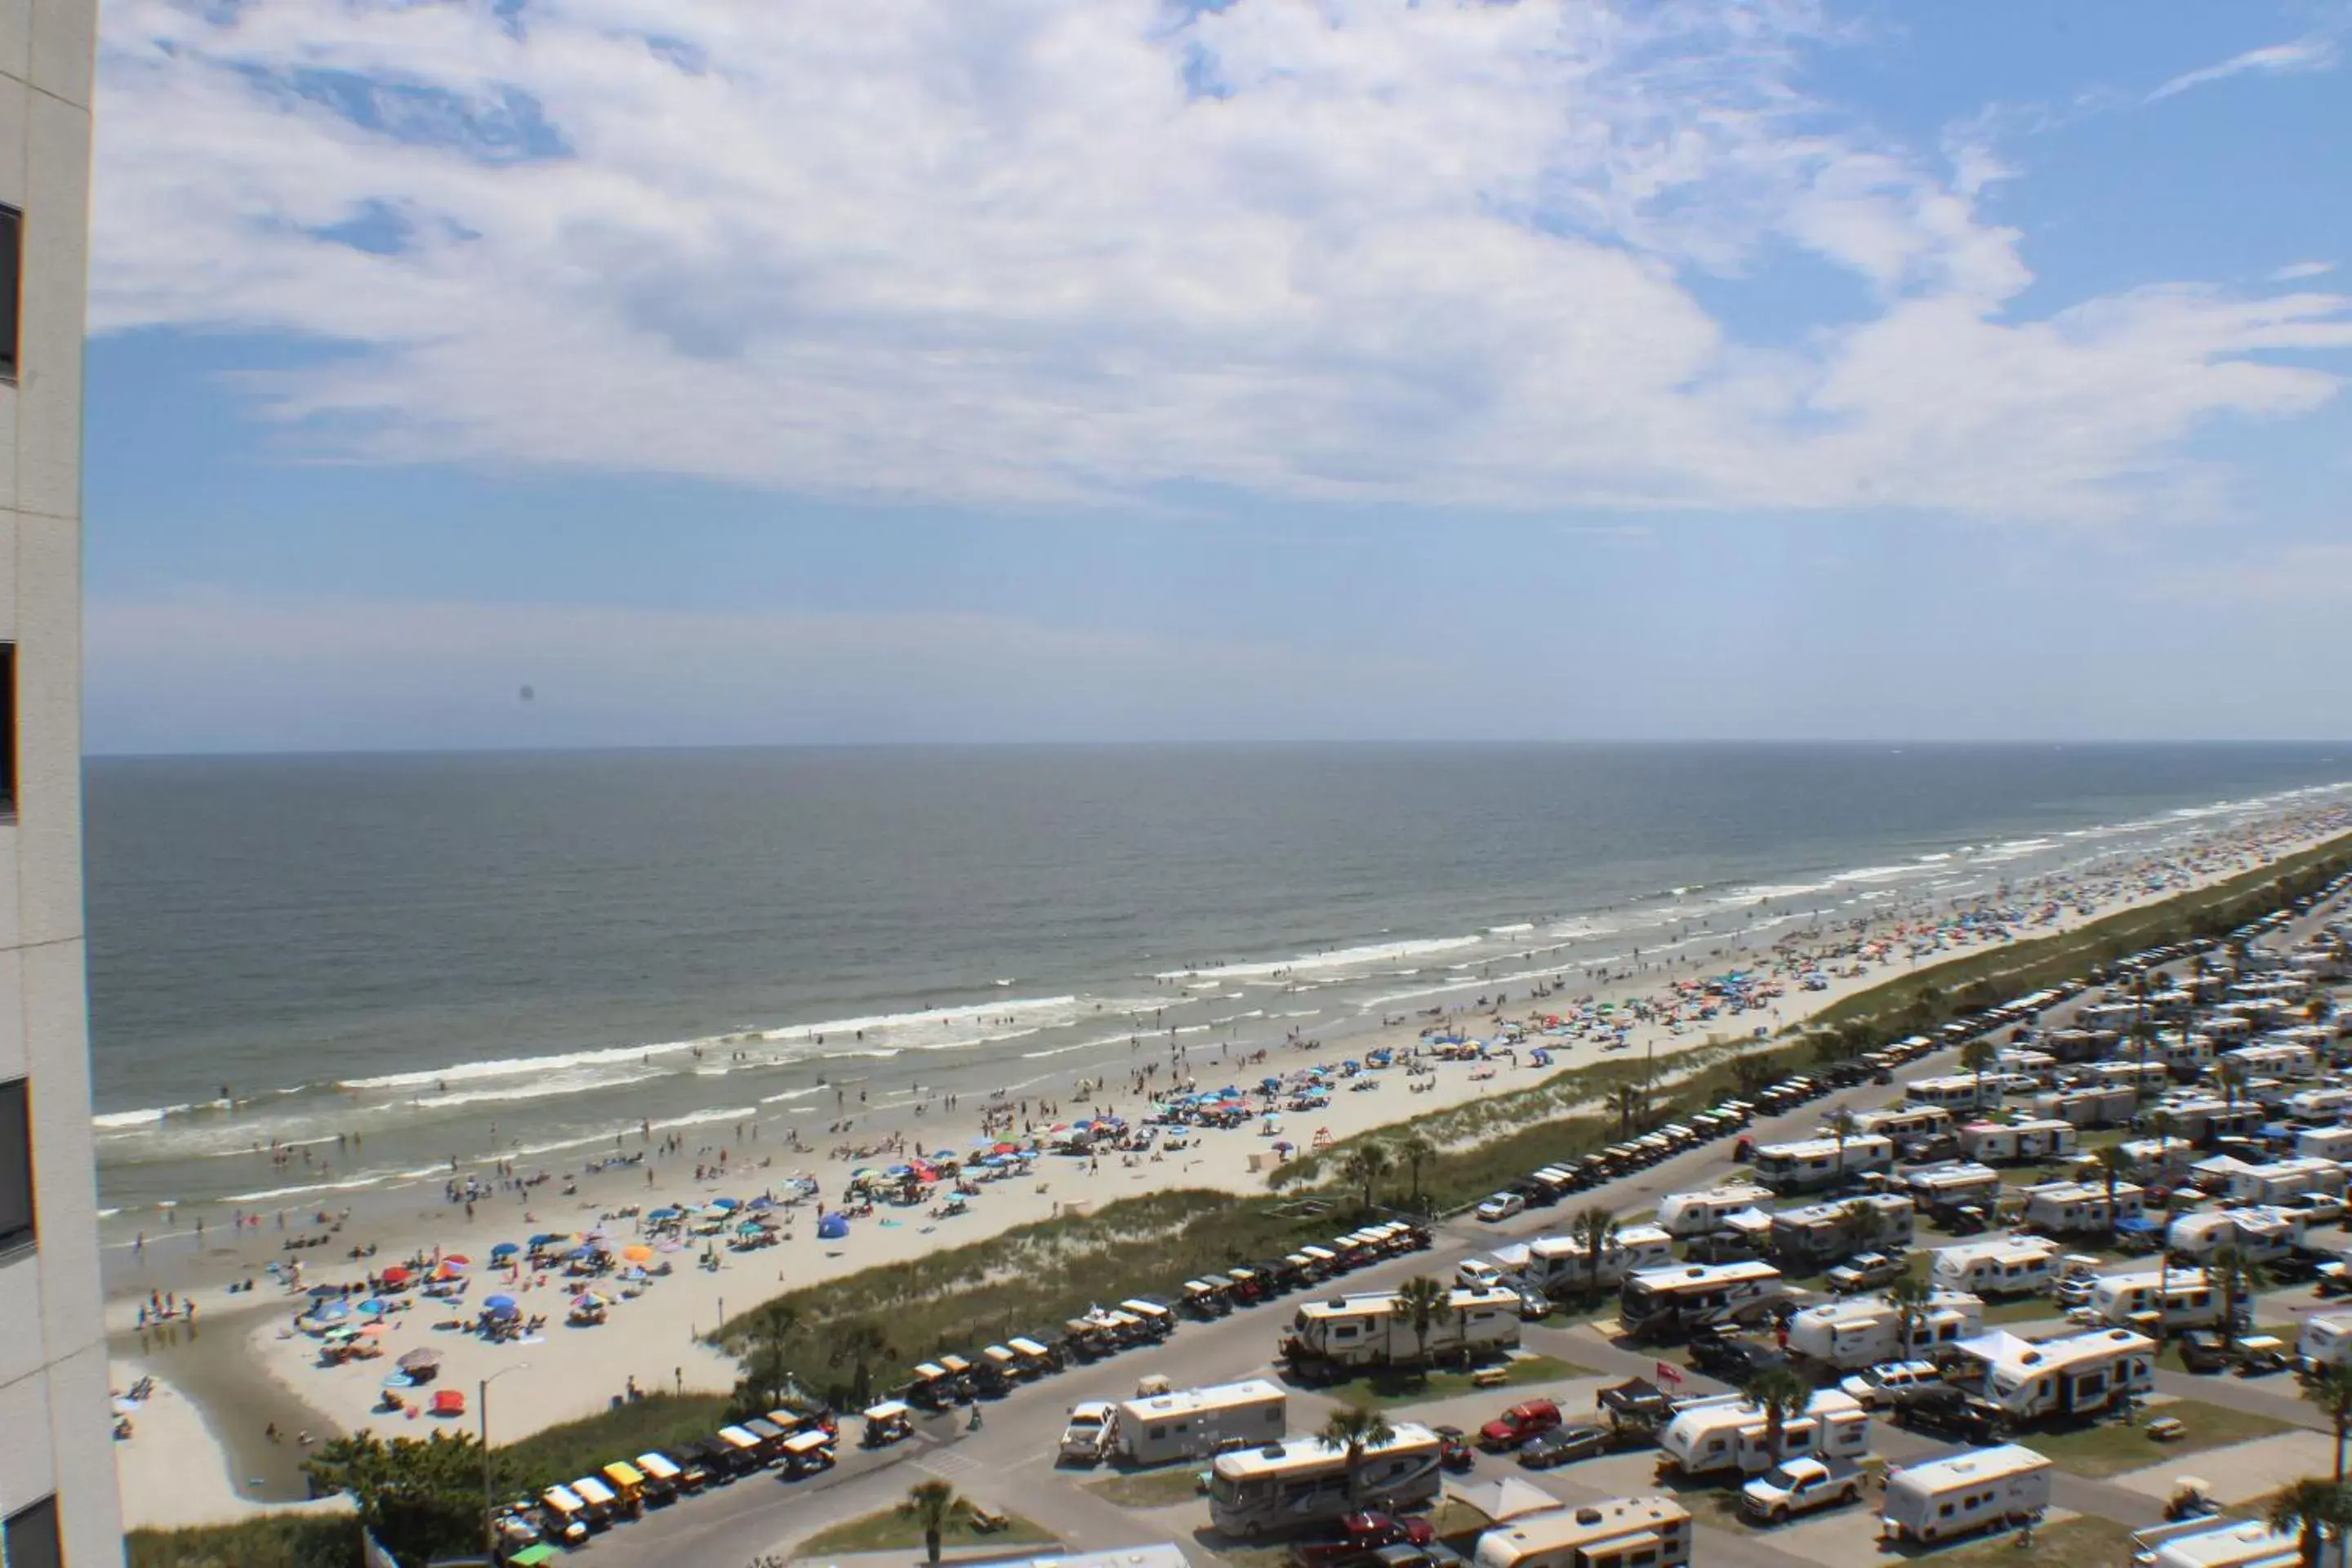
{"x": 2319, "y": 1008}
{"x": 858, "y": 1344}
{"x": 2233, "y": 1074}
{"x": 1861, "y": 1222}
{"x": 1366, "y": 1163}
{"x": 935, "y": 1505}
{"x": 1780, "y": 1393}
{"x": 2239, "y": 1276}
{"x": 1980, "y": 1055}
{"x": 1351, "y": 1429}
{"x": 1633, "y": 1105}
{"x": 766, "y": 1379}
{"x": 2310, "y": 1508}
{"x": 1425, "y": 1303}
{"x": 2114, "y": 1165}
{"x": 1844, "y": 1125}
{"x": 1594, "y": 1228}
{"x": 2329, "y": 1390}
{"x": 1416, "y": 1151}
{"x": 2142, "y": 1036}
{"x": 1909, "y": 1297}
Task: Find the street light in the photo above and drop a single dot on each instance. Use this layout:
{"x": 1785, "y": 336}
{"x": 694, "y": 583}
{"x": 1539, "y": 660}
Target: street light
{"x": 482, "y": 1412}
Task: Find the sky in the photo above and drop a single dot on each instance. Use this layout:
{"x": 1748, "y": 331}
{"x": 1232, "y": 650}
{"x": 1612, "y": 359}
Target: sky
{"x": 556, "y": 372}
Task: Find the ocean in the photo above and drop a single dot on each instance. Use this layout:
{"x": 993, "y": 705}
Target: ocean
{"x": 454, "y": 955}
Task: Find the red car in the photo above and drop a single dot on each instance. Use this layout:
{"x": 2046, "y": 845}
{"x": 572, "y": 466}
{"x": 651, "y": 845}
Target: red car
{"x": 1360, "y": 1535}
{"x": 1519, "y": 1423}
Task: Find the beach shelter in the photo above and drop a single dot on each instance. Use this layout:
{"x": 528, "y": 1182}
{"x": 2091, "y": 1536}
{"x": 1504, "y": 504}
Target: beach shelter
{"x": 832, "y": 1226}
{"x": 395, "y": 1275}
{"x": 419, "y": 1361}
{"x": 448, "y": 1402}
{"x": 637, "y": 1252}
{"x": 505, "y": 1249}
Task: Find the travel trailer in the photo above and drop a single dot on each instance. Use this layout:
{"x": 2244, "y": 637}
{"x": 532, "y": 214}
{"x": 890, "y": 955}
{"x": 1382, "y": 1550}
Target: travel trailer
{"x": 2074, "y": 1374}
{"x": 2183, "y": 1297}
{"x": 1959, "y": 1092}
{"x": 2111, "y": 1105}
{"x": 1816, "y": 1163}
{"x": 2324, "y": 1341}
{"x": 1654, "y": 1531}
{"x": 1944, "y": 1498}
{"x": 1906, "y": 1125}
{"x": 1368, "y": 1331}
{"x": 2216, "y": 1542}
{"x": 1561, "y": 1266}
{"x": 2079, "y": 1208}
{"x": 1697, "y": 1213}
{"x": 1819, "y": 1233}
{"x": 1196, "y": 1421}
{"x": 1662, "y": 1303}
{"x": 2260, "y": 1234}
{"x": 1302, "y": 1481}
{"x": 1726, "y": 1433}
{"x": 2242, "y": 1181}
{"x": 1845, "y": 1336}
{"x": 2017, "y": 1143}
{"x": 2007, "y": 1266}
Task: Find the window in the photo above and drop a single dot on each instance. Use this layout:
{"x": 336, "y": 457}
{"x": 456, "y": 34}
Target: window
{"x": 8, "y": 730}
{"x": 29, "y": 1539}
{"x": 12, "y": 226}
{"x": 15, "y": 1172}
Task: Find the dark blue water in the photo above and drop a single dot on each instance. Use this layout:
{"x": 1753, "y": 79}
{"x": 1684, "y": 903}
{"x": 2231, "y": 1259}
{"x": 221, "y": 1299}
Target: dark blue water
{"x": 419, "y": 944}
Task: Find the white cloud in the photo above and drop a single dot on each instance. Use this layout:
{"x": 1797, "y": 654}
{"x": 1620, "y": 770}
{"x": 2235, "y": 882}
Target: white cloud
{"x": 2297, "y": 271}
{"x": 2314, "y": 53}
{"x": 1014, "y": 251}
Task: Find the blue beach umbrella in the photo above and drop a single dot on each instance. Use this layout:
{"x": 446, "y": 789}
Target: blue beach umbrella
{"x": 505, "y": 1249}
{"x": 724, "y": 1203}
{"x": 374, "y": 1308}
{"x": 332, "y": 1311}
{"x": 665, "y": 1212}
{"x": 499, "y": 1303}
{"x": 832, "y": 1226}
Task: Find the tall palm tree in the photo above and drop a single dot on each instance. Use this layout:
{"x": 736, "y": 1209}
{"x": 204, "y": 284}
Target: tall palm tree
{"x": 2142, "y": 1036}
{"x": 1425, "y": 1304}
{"x": 1366, "y": 1163}
{"x": 1781, "y": 1394}
{"x": 935, "y": 1505}
{"x": 2310, "y": 1508}
{"x": 2233, "y": 1075}
{"x": 858, "y": 1344}
{"x": 1909, "y": 1297}
{"x": 2239, "y": 1277}
{"x": 1979, "y": 1057}
{"x": 1632, "y": 1102}
{"x": 1860, "y": 1223}
{"x": 1416, "y": 1151}
{"x": 2113, "y": 1167}
{"x": 1594, "y": 1229}
{"x": 1843, "y": 1125}
{"x": 2319, "y": 1007}
{"x": 2329, "y": 1391}
{"x": 1351, "y": 1429}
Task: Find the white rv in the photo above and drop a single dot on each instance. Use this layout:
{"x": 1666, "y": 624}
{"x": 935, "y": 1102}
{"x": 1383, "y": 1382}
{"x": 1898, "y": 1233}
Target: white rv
{"x": 2073, "y": 1374}
{"x": 1957, "y": 1092}
{"x": 1951, "y": 1184}
{"x": 1946, "y": 1498}
{"x": 1819, "y": 1233}
{"x": 1727, "y": 1433}
{"x": 1906, "y": 1125}
{"x": 2111, "y": 1105}
{"x": 2183, "y": 1297}
{"x": 1560, "y": 1265}
{"x": 2078, "y": 1208}
{"x": 2324, "y": 1341}
{"x": 2017, "y": 1143}
{"x": 1820, "y": 1161}
{"x": 1662, "y": 1302}
{"x": 1697, "y": 1213}
{"x": 2215, "y": 1542}
{"x": 1304, "y": 1481}
{"x": 2005, "y": 1266}
{"x": 1367, "y": 1330}
{"x": 1654, "y": 1531}
{"x": 1863, "y": 1331}
{"x": 2324, "y": 1143}
{"x": 2260, "y": 1233}
{"x": 2272, "y": 1181}
{"x": 1192, "y": 1422}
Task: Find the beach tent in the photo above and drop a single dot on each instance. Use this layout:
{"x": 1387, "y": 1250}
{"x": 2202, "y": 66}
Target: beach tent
{"x": 448, "y": 1402}
{"x": 832, "y": 1226}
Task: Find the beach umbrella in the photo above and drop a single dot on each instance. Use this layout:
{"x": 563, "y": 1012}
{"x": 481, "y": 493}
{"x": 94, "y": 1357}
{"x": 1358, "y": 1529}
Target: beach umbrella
{"x": 331, "y": 1311}
{"x": 724, "y": 1203}
{"x": 666, "y": 1211}
{"x": 374, "y": 1306}
{"x": 763, "y": 1202}
{"x": 637, "y": 1253}
{"x": 546, "y": 1236}
{"x": 749, "y": 1228}
{"x": 505, "y": 1249}
{"x": 899, "y": 1170}
{"x": 579, "y": 1252}
{"x": 588, "y": 1298}
{"x": 395, "y": 1275}
{"x": 499, "y": 1303}
{"x": 460, "y": 1259}
{"x": 506, "y": 1310}
{"x": 321, "y": 1292}
{"x": 418, "y": 1359}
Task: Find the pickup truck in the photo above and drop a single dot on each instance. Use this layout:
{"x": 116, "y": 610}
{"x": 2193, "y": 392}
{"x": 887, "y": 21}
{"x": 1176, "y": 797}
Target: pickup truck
{"x": 1088, "y": 1431}
{"x": 1866, "y": 1271}
{"x": 1360, "y": 1536}
{"x": 1800, "y": 1486}
{"x": 1519, "y": 1423}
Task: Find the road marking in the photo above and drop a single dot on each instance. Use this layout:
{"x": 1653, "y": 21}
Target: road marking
{"x": 948, "y": 1464}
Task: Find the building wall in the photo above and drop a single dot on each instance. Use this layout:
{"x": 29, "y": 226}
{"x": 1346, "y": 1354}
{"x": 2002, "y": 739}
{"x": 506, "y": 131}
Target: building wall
{"x": 54, "y": 1424}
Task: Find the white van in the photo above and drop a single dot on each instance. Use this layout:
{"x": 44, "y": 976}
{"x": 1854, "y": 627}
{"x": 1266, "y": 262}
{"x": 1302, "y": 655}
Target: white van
{"x": 1944, "y": 1498}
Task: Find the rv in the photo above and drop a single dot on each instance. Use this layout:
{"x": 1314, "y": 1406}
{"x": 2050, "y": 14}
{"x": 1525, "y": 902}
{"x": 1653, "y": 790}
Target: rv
{"x": 1659, "y": 1303}
{"x": 1820, "y": 1161}
{"x": 1960, "y": 1092}
{"x": 2142, "y": 1078}
{"x": 1559, "y": 1266}
{"x": 2184, "y": 1296}
{"x": 1906, "y": 1125}
{"x": 1303, "y": 1481}
{"x": 1727, "y": 1433}
{"x": 1196, "y": 1421}
{"x": 1944, "y": 1498}
{"x": 2012, "y": 1266}
{"x": 1695, "y": 1213}
{"x": 2247, "y": 1183}
{"x": 2017, "y": 1143}
{"x": 1654, "y": 1531}
{"x": 2215, "y": 1542}
{"x": 2260, "y": 1235}
{"x": 1368, "y": 1331}
{"x": 2075, "y": 1375}
{"x": 2201, "y": 1119}
{"x": 2105, "y": 1106}
{"x": 2079, "y": 1208}
{"x": 2277, "y": 1059}
{"x": 1943, "y": 1188}
{"x": 2323, "y": 1143}
{"x": 1845, "y": 1336}
{"x": 2324, "y": 1342}
{"x": 1819, "y": 1233}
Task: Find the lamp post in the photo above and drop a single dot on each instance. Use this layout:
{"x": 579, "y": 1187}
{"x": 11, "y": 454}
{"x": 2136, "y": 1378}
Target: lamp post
{"x": 482, "y": 1412}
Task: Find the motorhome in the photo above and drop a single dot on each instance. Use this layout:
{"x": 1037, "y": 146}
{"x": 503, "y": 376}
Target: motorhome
{"x": 2006, "y": 1265}
{"x": 2104, "y": 1106}
{"x": 1726, "y": 1433}
{"x": 1653, "y": 1531}
{"x": 2276, "y": 1058}
{"x": 1939, "y": 1498}
{"x": 2260, "y": 1235}
{"x": 2184, "y": 1296}
{"x": 1941, "y": 1189}
{"x": 1304, "y": 1481}
{"x": 1845, "y": 1336}
{"x": 1367, "y": 1330}
{"x": 1657, "y": 1303}
{"x": 1906, "y": 1125}
{"x": 2212, "y": 1541}
{"x": 2324, "y": 1341}
{"x": 1561, "y": 1266}
{"x": 2078, "y": 1208}
{"x": 1191, "y": 1422}
{"x": 1697, "y": 1213}
{"x": 1960, "y": 1092}
{"x": 2246, "y": 1182}
{"x": 2018, "y": 1142}
{"x": 1820, "y": 1161}
{"x": 1819, "y": 1233}
{"x": 2074, "y": 1374}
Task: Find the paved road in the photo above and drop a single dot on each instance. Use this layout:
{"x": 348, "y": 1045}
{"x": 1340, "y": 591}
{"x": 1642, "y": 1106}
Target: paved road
{"x": 1011, "y": 1462}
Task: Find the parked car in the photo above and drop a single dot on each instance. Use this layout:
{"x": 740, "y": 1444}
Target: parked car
{"x": 1360, "y": 1535}
{"x": 1890, "y": 1383}
{"x": 1533, "y": 1303}
{"x": 1519, "y": 1423}
{"x": 1501, "y": 1206}
{"x": 1946, "y": 1410}
{"x": 1866, "y": 1271}
{"x": 1563, "y": 1444}
{"x": 1800, "y": 1486}
{"x": 1732, "y": 1361}
{"x": 1477, "y": 1274}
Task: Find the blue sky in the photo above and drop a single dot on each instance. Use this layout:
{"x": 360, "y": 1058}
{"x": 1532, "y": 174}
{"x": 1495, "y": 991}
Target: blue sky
{"x": 1003, "y": 369}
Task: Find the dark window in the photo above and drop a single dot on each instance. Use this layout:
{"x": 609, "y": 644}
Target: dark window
{"x": 15, "y": 1174}
{"x": 12, "y": 234}
{"x": 30, "y": 1538}
{"x": 8, "y": 730}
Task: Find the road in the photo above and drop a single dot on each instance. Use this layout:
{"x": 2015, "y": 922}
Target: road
{"x": 1010, "y": 1461}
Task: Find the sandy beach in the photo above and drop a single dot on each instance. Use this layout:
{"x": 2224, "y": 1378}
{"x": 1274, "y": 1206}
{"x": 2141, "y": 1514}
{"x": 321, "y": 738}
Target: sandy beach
{"x": 247, "y": 1367}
